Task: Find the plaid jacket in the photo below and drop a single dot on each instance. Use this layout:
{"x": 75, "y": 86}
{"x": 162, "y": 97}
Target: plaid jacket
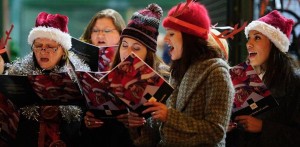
{"x": 199, "y": 109}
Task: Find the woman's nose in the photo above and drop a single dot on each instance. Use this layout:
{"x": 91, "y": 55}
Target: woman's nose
{"x": 128, "y": 52}
{"x": 249, "y": 44}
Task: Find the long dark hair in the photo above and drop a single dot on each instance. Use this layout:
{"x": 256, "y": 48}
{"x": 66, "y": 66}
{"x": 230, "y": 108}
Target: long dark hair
{"x": 194, "y": 49}
{"x": 280, "y": 70}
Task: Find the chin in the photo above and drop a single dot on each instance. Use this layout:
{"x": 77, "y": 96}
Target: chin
{"x": 46, "y": 67}
{"x": 253, "y": 63}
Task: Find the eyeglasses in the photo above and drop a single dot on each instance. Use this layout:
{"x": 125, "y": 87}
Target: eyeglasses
{"x": 47, "y": 49}
{"x": 105, "y": 31}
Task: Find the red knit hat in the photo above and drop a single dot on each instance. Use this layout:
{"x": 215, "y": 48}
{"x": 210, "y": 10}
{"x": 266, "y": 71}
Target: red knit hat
{"x": 192, "y": 19}
{"x": 143, "y": 26}
{"x": 276, "y": 27}
{"x": 51, "y": 26}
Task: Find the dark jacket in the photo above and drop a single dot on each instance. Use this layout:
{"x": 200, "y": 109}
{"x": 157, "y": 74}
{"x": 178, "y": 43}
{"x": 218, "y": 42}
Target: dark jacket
{"x": 112, "y": 134}
{"x": 281, "y": 125}
{"x": 28, "y": 129}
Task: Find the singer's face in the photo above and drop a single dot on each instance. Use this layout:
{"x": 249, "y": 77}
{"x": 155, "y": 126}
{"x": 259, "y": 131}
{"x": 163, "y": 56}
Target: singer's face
{"x": 129, "y": 45}
{"x": 48, "y": 53}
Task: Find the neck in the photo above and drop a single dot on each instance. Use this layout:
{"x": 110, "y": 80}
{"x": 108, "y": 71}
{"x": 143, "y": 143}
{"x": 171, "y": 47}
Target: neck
{"x": 260, "y": 71}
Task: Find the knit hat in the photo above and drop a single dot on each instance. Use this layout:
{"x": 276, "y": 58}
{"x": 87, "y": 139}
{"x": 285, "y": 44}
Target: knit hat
{"x": 51, "y": 26}
{"x": 143, "y": 26}
{"x": 191, "y": 18}
{"x": 276, "y": 27}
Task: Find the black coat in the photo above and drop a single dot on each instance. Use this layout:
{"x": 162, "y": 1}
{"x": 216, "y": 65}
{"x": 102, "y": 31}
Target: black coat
{"x": 28, "y": 132}
{"x": 281, "y": 125}
{"x": 112, "y": 134}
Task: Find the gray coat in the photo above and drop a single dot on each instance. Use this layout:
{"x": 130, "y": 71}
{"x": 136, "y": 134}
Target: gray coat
{"x": 199, "y": 109}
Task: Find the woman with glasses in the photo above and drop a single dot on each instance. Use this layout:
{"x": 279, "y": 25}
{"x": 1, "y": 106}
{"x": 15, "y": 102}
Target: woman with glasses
{"x": 140, "y": 37}
{"x": 48, "y": 125}
{"x": 104, "y": 28}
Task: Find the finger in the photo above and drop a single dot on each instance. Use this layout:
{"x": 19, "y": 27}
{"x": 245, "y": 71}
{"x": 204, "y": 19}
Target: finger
{"x": 122, "y": 116}
{"x": 134, "y": 118}
{"x": 90, "y": 114}
{"x": 133, "y": 114}
{"x": 151, "y": 103}
{"x": 243, "y": 121}
{"x": 93, "y": 119}
{"x": 150, "y": 109}
{"x": 155, "y": 115}
{"x": 94, "y": 124}
{"x": 241, "y": 117}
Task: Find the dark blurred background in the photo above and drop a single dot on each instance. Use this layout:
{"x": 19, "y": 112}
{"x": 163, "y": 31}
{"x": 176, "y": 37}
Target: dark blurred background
{"x": 22, "y": 14}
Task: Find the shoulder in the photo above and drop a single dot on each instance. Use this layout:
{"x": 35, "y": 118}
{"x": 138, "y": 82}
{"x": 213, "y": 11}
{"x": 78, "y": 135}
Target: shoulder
{"x": 209, "y": 65}
{"x": 77, "y": 62}
{"x": 21, "y": 66}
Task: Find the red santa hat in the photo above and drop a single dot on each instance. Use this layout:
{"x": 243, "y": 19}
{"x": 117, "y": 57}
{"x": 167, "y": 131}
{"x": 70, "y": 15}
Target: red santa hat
{"x": 51, "y": 26}
{"x": 127, "y": 81}
{"x": 239, "y": 85}
{"x": 276, "y": 27}
{"x": 193, "y": 19}
{"x": 137, "y": 63}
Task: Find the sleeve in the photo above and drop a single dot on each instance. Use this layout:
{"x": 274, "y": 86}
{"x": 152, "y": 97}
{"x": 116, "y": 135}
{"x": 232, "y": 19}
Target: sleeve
{"x": 211, "y": 126}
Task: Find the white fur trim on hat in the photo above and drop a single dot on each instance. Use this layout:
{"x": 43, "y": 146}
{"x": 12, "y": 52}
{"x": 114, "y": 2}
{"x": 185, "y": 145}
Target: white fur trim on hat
{"x": 148, "y": 75}
{"x": 64, "y": 39}
{"x": 239, "y": 85}
{"x": 130, "y": 82}
{"x": 280, "y": 40}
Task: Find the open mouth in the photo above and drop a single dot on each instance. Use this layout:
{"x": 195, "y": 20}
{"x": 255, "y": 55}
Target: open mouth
{"x": 171, "y": 48}
{"x": 101, "y": 42}
{"x": 44, "y": 59}
{"x": 252, "y": 54}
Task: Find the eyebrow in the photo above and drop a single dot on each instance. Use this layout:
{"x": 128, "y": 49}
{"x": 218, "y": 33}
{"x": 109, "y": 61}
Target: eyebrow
{"x": 137, "y": 43}
{"x": 39, "y": 43}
